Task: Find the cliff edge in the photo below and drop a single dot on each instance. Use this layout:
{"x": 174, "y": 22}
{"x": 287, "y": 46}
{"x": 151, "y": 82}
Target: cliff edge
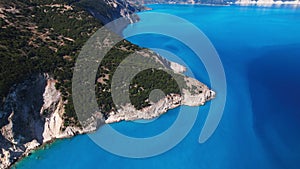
{"x": 36, "y": 101}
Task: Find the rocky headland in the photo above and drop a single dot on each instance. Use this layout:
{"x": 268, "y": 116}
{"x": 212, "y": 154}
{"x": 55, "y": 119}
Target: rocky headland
{"x": 33, "y": 112}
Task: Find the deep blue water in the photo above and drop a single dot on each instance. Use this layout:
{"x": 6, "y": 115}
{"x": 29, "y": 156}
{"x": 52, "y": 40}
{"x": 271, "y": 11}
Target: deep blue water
{"x": 260, "y": 51}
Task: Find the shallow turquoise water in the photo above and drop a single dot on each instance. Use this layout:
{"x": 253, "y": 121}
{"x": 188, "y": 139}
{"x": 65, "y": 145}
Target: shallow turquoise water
{"x": 260, "y": 51}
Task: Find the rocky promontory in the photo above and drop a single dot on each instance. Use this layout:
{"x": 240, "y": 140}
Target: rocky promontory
{"x": 33, "y": 110}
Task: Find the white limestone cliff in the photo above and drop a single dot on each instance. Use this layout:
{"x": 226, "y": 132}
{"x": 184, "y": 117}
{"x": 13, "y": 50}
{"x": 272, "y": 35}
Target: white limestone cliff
{"x": 47, "y": 110}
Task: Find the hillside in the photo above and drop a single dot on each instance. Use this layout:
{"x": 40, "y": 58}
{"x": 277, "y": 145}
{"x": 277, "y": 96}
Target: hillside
{"x": 39, "y": 40}
{"x": 39, "y": 44}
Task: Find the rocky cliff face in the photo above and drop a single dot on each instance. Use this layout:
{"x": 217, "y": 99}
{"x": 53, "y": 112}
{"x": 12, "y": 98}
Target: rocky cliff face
{"x": 193, "y": 93}
{"x": 32, "y": 112}
{"x": 30, "y": 117}
{"x": 196, "y": 94}
{"x": 112, "y": 9}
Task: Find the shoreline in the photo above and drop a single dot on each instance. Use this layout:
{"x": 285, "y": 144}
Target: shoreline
{"x": 53, "y": 140}
{"x": 51, "y": 134}
{"x": 54, "y": 122}
{"x": 41, "y": 147}
{"x": 51, "y": 124}
{"x": 238, "y": 3}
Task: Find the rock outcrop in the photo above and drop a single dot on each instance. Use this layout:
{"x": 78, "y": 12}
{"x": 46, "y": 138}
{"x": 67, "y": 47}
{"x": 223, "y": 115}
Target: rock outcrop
{"x": 113, "y": 9}
{"x": 53, "y": 109}
{"x": 31, "y": 116}
{"x": 196, "y": 96}
{"x": 32, "y": 112}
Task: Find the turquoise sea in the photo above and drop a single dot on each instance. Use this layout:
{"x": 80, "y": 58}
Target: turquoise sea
{"x": 260, "y": 129}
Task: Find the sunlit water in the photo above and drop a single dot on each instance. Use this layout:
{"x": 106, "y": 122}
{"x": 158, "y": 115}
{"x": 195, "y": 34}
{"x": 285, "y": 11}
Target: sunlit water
{"x": 260, "y": 51}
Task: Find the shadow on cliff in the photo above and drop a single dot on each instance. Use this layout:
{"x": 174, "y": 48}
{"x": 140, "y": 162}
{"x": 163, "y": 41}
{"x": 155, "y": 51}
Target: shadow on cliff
{"x": 274, "y": 81}
{"x": 22, "y": 109}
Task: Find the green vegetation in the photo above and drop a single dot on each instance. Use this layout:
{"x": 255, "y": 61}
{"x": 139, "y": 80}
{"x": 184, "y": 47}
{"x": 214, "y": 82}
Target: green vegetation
{"x": 140, "y": 86}
{"x": 148, "y": 80}
{"x": 107, "y": 68}
{"x": 39, "y": 37}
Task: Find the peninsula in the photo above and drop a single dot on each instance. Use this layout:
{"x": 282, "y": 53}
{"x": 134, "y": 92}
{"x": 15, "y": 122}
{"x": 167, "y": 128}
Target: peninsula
{"x": 40, "y": 41}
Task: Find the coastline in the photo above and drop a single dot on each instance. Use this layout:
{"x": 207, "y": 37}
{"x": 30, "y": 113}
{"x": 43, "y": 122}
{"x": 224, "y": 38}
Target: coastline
{"x": 51, "y": 131}
{"x": 53, "y": 123}
{"x": 249, "y": 114}
{"x": 41, "y": 147}
{"x": 265, "y": 3}
{"x": 259, "y": 3}
{"x": 159, "y": 108}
